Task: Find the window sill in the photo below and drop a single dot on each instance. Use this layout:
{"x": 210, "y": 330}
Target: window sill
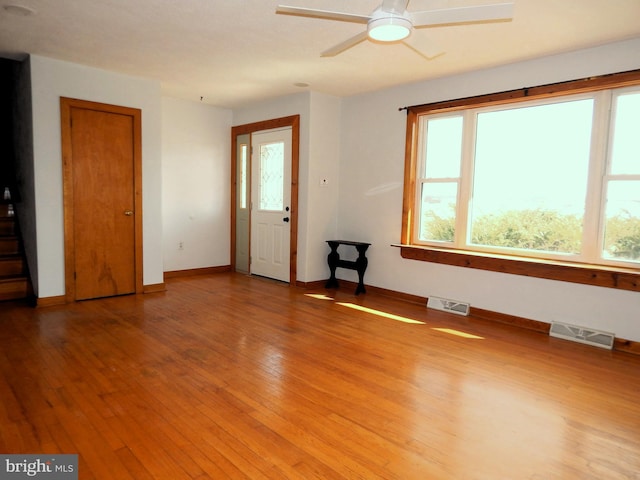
{"x": 597, "y": 275}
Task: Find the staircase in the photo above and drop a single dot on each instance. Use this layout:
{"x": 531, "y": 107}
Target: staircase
{"x": 14, "y": 283}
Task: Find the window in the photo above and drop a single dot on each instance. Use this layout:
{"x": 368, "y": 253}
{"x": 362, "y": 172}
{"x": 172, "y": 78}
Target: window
{"x": 271, "y": 185}
{"x": 242, "y": 173}
{"x": 621, "y": 225}
{"x": 551, "y": 176}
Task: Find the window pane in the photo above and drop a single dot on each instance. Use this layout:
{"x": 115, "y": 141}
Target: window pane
{"x": 443, "y": 147}
{"x": 530, "y": 177}
{"x": 438, "y": 219}
{"x": 243, "y": 176}
{"x": 622, "y": 222}
{"x": 272, "y": 176}
{"x": 625, "y": 153}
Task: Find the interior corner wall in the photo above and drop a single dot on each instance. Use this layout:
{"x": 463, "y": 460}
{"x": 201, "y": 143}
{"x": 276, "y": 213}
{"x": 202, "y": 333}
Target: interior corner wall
{"x": 50, "y": 80}
{"x": 298, "y": 104}
{"x": 320, "y": 130}
{"x": 372, "y": 149}
{"x": 324, "y": 182}
{"x": 196, "y": 190}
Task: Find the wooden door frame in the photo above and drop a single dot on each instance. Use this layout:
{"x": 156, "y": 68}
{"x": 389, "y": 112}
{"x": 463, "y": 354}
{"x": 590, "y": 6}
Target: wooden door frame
{"x": 66, "y": 105}
{"x": 292, "y": 121}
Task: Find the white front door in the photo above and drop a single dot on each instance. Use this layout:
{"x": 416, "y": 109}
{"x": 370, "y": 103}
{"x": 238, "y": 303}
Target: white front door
{"x": 271, "y": 202}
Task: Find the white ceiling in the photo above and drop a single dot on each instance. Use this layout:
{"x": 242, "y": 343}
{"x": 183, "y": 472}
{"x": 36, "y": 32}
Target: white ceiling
{"x": 234, "y": 52}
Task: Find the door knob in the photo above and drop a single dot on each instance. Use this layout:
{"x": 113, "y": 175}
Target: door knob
{"x": 285, "y": 219}
{"x": 128, "y": 213}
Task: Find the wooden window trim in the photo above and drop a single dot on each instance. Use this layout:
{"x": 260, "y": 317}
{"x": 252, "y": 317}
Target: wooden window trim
{"x": 597, "y": 275}
{"x": 601, "y": 276}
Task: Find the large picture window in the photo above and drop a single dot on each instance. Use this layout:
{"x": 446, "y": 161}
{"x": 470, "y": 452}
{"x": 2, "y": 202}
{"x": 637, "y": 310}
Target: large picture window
{"x": 552, "y": 177}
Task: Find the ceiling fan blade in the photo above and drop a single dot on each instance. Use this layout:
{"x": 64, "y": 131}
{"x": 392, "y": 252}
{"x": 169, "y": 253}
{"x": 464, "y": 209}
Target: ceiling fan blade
{"x": 323, "y": 14}
{"x": 394, "y": 6}
{"x": 425, "y": 48}
{"x": 449, "y": 16}
{"x": 341, "y": 47}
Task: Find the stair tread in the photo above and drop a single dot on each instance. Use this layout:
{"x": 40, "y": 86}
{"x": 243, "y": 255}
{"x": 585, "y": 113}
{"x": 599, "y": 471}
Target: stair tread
{"x": 14, "y": 282}
{"x": 13, "y": 278}
{"x": 6, "y": 277}
{"x": 14, "y": 291}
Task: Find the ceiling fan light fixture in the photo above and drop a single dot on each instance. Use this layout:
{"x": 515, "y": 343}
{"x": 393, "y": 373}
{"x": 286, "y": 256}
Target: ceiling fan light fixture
{"x": 390, "y": 28}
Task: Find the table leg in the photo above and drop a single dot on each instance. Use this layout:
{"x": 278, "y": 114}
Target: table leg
{"x": 332, "y": 259}
{"x": 361, "y": 267}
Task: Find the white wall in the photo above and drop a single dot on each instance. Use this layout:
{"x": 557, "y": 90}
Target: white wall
{"x": 372, "y": 150}
{"x": 322, "y": 201}
{"x": 196, "y": 172}
{"x": 50, "y": 80}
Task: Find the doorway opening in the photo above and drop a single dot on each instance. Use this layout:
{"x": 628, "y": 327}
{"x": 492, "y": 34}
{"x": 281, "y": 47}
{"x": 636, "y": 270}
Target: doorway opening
{"x": 277, "y": 248}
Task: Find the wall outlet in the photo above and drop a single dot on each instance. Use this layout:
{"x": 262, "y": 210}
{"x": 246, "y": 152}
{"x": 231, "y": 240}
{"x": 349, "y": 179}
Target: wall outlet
{"x": 324, "y": 182}
{"x": 180, "y": 245}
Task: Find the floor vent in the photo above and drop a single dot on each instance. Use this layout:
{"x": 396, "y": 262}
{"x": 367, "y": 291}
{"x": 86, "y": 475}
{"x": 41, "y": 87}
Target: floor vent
{"x": 451, "y": 306}
{"x": 582, "y": 335}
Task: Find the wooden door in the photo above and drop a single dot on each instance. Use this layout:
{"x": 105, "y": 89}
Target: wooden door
{"x": 101, "y": 151}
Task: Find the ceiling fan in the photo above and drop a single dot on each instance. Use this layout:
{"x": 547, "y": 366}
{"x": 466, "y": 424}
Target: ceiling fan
{"x": 391, "y": 22}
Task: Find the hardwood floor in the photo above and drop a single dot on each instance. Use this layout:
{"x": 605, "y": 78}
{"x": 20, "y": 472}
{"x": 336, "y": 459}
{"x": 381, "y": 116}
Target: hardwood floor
{"x": 226, "y": 376}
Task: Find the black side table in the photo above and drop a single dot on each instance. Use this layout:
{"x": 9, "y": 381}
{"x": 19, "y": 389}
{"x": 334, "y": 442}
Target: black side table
{"x": 360, "y": 264}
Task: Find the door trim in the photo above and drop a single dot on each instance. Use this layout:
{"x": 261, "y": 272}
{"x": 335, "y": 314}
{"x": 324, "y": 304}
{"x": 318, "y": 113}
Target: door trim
{"x": 66, "y": 105}
{"x": 292, "y": 121}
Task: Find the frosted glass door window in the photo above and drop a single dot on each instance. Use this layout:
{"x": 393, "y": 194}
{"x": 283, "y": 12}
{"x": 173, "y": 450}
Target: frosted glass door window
{"x": 272, "y": 176}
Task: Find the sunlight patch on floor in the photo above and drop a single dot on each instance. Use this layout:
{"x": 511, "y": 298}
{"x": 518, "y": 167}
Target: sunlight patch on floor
{"x": 458, "y": 333}
{"x": 391, "y": 316}
{"x": 318, "y": 296}
{"x": 380, "y": 313}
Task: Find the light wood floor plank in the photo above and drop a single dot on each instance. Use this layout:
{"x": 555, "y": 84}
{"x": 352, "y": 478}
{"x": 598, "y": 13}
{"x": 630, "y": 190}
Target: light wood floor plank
{"x": 228, "y": 376}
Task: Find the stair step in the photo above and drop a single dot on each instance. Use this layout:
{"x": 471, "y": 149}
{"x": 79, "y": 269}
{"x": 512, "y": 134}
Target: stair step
{"x": 11, "y": 265}
{"x": 14, "y": 284}
{"x": 7, "y": 226}
{"x": 9, "y": 246}
{"x": 6, "y": 210}
{"x": 13, "y": 288}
